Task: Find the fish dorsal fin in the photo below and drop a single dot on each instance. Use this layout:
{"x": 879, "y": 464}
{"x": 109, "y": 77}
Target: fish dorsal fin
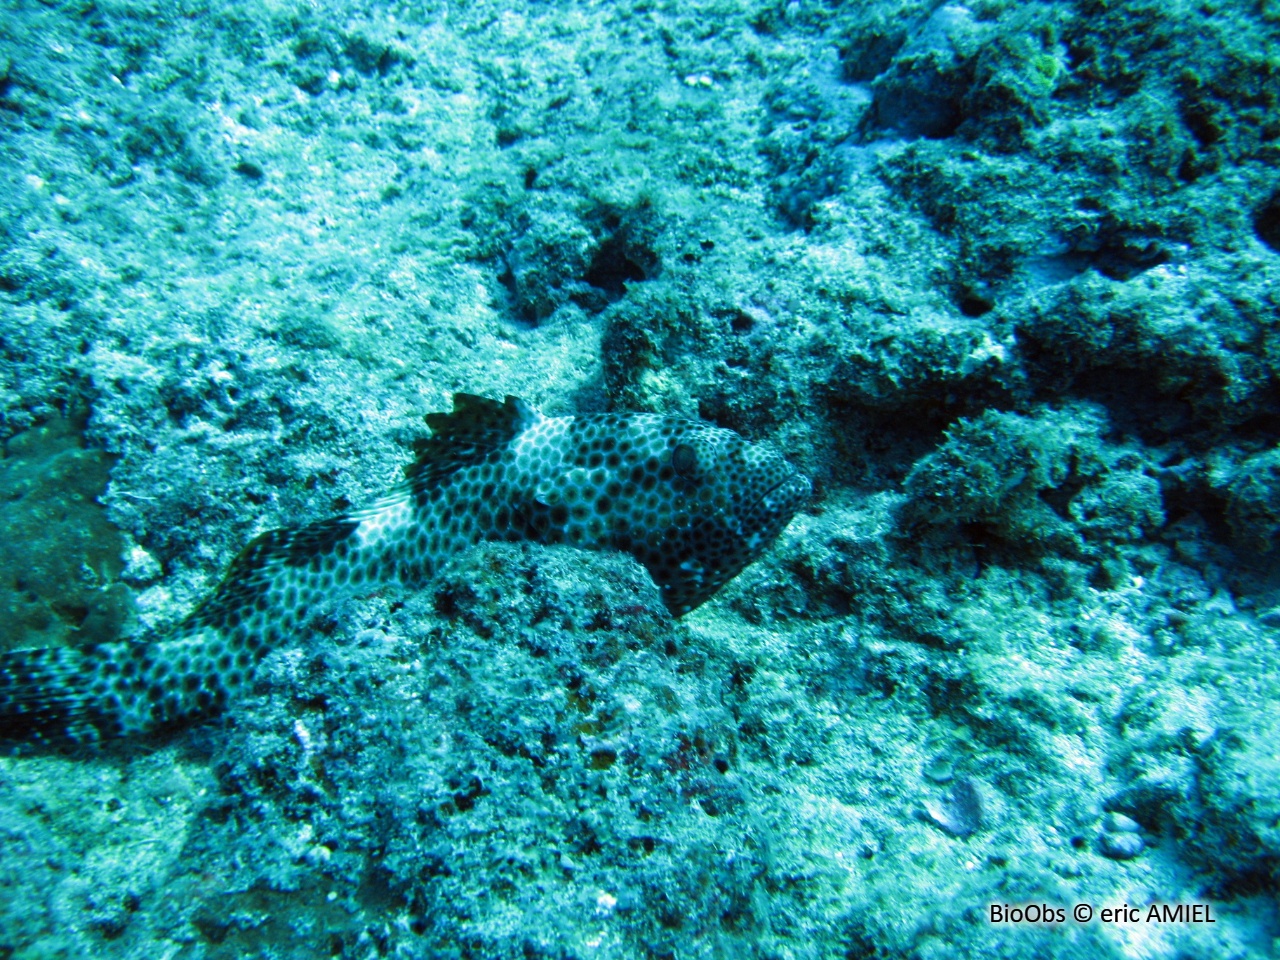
{"x": 475, "y": 428}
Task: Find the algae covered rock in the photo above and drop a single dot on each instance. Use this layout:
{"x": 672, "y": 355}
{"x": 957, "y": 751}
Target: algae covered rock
{"x": 1035, "y": 480}
{"x": 1252, "y": 492}
{"x": 1150, "y": 351}
{"x": 547, "y": 744}
{"x": 989, "y": 468}
{"x": 63, "y": 560}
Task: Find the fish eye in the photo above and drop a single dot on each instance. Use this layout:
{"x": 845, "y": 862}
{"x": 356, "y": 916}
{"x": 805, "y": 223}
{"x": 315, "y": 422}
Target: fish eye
{"x": 685, "y": 461}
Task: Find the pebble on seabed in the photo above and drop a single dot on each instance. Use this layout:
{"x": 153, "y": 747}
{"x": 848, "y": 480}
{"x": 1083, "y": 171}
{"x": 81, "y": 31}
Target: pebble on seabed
{"x": 959, "y": 812}
{"x": 1121, "y": 846}
{"x": 1119, "y": 823}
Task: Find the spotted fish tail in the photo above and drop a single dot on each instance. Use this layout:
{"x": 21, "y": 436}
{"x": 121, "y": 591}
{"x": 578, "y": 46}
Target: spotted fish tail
{"x": 80, "y": 696}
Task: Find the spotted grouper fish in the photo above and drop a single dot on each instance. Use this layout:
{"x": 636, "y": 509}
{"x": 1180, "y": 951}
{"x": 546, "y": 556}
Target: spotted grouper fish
{"x": 693, "y": 503}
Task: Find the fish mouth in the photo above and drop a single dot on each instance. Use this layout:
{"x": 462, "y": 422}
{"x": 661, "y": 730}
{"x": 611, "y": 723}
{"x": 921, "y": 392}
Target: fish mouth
{"x": 794, "y": 489}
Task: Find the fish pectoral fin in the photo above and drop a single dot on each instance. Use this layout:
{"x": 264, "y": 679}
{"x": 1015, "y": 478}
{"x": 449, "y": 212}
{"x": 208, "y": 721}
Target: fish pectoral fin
{"x": 544, "y": 494}
{"x": 554, "y": 490}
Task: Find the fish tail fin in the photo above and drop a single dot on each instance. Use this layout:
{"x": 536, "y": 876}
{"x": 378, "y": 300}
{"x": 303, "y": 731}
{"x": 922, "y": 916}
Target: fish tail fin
{"x": 56, "y": 696}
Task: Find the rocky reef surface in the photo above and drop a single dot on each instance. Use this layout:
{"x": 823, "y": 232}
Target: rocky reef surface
{"x": 1001, "y": 277}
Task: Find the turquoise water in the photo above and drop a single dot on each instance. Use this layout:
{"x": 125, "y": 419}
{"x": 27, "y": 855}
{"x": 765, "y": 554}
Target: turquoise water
{"x": 1000, "y": 278}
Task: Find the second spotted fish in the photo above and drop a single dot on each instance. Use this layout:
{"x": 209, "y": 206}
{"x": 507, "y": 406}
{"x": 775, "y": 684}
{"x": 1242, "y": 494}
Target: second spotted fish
{"x": 692, "y": 502}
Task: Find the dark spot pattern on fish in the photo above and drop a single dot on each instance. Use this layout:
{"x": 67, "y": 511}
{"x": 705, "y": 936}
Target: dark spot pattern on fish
{"x": 692, "y": 502}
